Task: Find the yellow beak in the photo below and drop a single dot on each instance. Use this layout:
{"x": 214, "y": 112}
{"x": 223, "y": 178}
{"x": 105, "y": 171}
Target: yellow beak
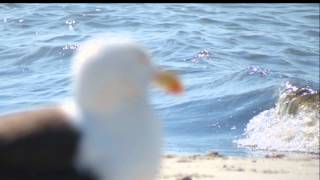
{"x": 169, "y": 81}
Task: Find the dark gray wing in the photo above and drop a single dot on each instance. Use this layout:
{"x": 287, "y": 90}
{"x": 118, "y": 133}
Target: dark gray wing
{"x": 38, "y": 145}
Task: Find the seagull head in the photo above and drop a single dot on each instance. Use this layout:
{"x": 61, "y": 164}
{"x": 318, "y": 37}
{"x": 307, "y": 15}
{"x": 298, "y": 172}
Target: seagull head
{"x": 111, "y": 72}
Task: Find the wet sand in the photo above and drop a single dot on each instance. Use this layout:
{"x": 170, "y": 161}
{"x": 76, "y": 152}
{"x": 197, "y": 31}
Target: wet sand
{"x": 215, "y": 166}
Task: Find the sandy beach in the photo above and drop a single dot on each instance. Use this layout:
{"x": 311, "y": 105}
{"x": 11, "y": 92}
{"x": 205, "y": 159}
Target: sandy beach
{"x": 214, "y": 166}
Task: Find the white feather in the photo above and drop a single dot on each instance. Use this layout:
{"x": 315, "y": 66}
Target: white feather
{"x": 121, "y": 136}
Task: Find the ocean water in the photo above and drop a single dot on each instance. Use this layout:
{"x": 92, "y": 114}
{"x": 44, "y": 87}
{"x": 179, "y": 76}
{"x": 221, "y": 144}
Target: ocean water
{"x": 234, "y": 59}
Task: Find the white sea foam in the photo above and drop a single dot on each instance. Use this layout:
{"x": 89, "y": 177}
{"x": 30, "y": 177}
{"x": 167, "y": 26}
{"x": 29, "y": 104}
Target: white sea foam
{"x": 292, "y": 125}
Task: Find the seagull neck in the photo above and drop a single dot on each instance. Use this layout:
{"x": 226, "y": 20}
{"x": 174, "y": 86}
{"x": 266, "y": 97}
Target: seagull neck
{"x": 118, "y": 110}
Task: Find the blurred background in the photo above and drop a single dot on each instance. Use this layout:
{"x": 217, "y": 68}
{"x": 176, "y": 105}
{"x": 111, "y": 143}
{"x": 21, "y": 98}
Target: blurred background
{"x": 234, "y": 60}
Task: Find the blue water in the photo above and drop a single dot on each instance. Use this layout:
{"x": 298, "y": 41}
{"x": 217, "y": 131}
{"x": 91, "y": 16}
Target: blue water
{"x": 232, "y": 59}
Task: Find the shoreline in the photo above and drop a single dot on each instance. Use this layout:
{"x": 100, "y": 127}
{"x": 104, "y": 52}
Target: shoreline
{"x": 273, "y": 166}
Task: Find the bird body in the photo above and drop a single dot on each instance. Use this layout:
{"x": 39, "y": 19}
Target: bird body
{"x": 39, "y": 144}
{"x": 133, "y": 148}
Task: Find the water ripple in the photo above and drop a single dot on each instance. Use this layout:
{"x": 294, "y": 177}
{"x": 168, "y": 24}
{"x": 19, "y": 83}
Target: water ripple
{"x": 232, "y": 58}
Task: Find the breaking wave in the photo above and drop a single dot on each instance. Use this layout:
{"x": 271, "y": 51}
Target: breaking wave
{"x": 292, "y": 125}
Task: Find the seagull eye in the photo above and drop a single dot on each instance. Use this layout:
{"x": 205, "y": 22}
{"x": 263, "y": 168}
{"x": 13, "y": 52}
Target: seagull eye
{"x": 144, "y": 61}
{"x": 142, "y": 58}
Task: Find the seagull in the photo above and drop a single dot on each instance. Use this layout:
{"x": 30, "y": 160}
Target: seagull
{"x": 107, "y": 131}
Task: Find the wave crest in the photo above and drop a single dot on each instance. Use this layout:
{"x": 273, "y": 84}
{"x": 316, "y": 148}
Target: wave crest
{"x": 292, "y": 125}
